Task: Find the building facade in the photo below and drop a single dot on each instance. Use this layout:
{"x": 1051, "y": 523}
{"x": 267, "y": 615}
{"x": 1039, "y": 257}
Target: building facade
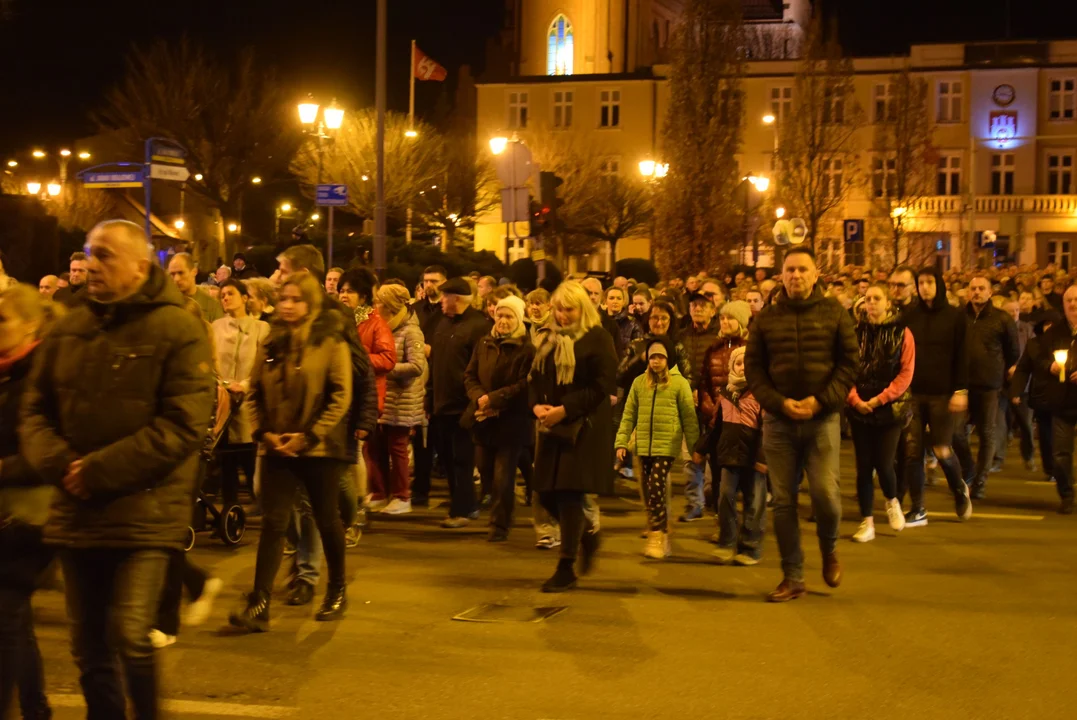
{"x": 1004, "y": 119}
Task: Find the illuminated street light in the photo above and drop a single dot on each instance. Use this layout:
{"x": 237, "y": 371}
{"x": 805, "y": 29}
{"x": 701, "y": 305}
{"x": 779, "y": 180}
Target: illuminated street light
{"x": 84, "y": 155}
{"x": 411, "y": 133}
{"x": 646, "y": 168}
{"x": 898, "y": 212}
{"x": 54, "y": 189}
{"x": 365, "y": 178}
{"x": 315, "y": 217}
{"x": 233, "y": 227}
{"x": 65, "y": 153}
{"x": 759, "y": 183}
{"x": 33, "y": 188}
{"x": 333, "y": 115}
{"x": 780, "y": 213}
{"x": 198, "y": 177}
{"x": 179, "y": 224}
{"x": 308, "y": 111}
{"x": 39, "y": 154}
{"x": 769, "y": 119}
{"x": 12, "y": 163}
{"x": 256, "y": 180}
{"x": 652, "y": 170}
{"x": 285, "y": 207}
{"x": 498, "y": 144}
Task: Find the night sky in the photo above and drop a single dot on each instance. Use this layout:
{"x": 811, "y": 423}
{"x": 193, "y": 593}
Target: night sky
{"x": 58, "y": 56}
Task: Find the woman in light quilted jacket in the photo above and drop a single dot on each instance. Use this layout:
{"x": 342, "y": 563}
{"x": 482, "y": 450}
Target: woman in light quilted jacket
{"x": 405, "y": 392}
{"x": 661, "y": 410}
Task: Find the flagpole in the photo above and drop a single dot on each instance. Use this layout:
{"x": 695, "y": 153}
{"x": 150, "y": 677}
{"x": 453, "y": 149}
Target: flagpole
{"x": 411, "y": 126}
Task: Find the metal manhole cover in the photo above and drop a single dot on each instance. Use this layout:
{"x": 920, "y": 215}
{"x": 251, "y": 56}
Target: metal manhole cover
{"x": 494, "y": 613}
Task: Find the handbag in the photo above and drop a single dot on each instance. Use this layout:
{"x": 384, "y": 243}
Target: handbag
{"x": 565, "y": 432}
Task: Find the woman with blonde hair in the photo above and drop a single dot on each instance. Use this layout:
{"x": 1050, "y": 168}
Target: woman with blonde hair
{"x": 301, "y": 390}
{"x": 25, "y": 318}
{"x": 571, "y": 380}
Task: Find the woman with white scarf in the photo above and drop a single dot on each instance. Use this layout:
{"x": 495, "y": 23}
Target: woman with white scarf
{"x": 570, "y": 384}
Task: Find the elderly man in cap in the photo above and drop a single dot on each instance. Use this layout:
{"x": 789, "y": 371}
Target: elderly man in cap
{"x": 454, "y": 338}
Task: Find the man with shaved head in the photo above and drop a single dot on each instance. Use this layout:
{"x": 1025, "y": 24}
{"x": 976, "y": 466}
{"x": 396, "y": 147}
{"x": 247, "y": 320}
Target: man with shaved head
{"x": 183, "y": 269}
{"x": 48, "y": 285}
{"x": 114, "y": 415}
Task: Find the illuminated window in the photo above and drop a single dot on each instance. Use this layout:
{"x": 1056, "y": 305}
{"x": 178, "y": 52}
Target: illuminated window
{"x": 949, "y": 178}
{"x": 781, "y": 102}
{"x": 562, "y": 108}
{"x": 559, "y": 47}
{"x": 610, "y": 108}
{"x": 1002, "y": 165}
{"x": 517, "y": 110}
{"x": 883, "y": 176}
{"x": 1059, "y": 173}
{"x": 884, "y": 103}
{"x": 950, "y": 101}
{"x": 1061, "y": 99}
{"x": 832, "y": 171}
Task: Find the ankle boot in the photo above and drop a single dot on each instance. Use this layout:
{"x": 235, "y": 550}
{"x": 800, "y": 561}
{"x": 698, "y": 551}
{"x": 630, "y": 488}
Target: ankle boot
{"x": 562, "y": 580}
{"x": 254, "y": 616}
{"x": 334, "y": 605}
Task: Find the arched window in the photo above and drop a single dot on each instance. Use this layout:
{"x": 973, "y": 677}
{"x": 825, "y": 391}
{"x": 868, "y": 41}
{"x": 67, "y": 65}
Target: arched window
{"x": 559, "y": 47}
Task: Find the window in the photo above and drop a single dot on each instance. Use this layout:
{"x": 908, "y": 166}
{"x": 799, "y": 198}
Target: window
{"x": 610, "y": 112}
{"x": 1059, "y": 173}
{"x": 833, "y": 106}
{"x": 884, "y": 103}
{"x": 832, "y": 171}
{"x": 562, "y": 108}
{"x": 1061, "y": 99}
{"x": 781, "y": 102}
{"x": 950, "y": 101}
{"x": 1002, "y": 174}
{"x": 610, "y": 166}
{"x": 1058, "y": 252}
{"x": 949, "y": 182}
{"x": 883, "y": 177}
{"x": 854, "y": 252}
{"x": 517, "y": 110}
{"x": 559, "y": 47}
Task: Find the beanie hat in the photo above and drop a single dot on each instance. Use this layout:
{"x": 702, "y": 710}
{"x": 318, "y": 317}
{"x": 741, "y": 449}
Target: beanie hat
{"x": 516, "y": 305}
{"x": 739, "y": 311}
{"x": 393, "y": 297}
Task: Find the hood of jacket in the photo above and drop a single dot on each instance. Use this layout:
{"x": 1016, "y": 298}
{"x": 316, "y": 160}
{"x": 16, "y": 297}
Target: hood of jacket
{"x": 156, "y": 291}
{"x": 941, "y": 301}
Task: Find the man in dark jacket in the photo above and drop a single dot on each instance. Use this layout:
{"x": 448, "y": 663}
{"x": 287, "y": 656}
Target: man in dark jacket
{"x": 74, "y": 293}
{"x": 697, "y": 339}
{"x": 454, "y": 341}
{"x": 428, "y": 310}
{"x": 801, "y": 360}
{"x": 1010, "y": 413}
{"x": 240, "y": 269}
{"x": 115, "y": 413}
{"x": 1059, "y": 357}
{"x": 992, "y": 352}
{"x": 1031, "y": 386}
{"x": 1050, "y": 297}
{"x": 593, "y": 286}
{"x": 939, "y": 392}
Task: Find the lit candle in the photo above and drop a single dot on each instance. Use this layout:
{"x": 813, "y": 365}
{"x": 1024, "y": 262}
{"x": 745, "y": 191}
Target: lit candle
{"x": 1061, "y": 356}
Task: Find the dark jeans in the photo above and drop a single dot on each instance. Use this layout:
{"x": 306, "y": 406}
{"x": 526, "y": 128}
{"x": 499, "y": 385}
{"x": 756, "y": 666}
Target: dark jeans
{"x": 901, "y": 482}
{"x": 112, "y": 598}
{"x": 281, "y": 480}
{"x": 793, "y": 448}
{"x": 876, "y": 448}
{"x": 22, "y": 559}
{"x": 423, "y": 449}
{"x": 983, "y": 412}
{"x": 499, "y": 464}
{"x": 233, "y": 459}
{"x": 1010, "y": 415}
{"x": 182, "y": 573}
{"x": 1062, "y": 431}
{"x": 1045, "y": 432}
{"x": 568, "y": 507}
{"x": 454, "y": 447}
{"x": 931, "y": 417}
{"x": 753, "y": 486}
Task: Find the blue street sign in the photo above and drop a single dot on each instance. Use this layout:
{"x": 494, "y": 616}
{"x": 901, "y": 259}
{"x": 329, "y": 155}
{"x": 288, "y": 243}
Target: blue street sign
{"x": 166, "y": 151}
{"x": 113, "y": 179}
{"x": 329, "y": 195}
{"x": 854, "y": 230}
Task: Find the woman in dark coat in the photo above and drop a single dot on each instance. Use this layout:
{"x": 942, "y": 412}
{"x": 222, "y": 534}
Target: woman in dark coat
{"x": 501, "y": 421}
{"x": 25, "y": 316}
{"x": 571, "y": 381}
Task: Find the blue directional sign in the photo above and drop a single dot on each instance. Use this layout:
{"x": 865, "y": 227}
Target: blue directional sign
{"x": 329, "y": 195}
{"x": 854, "y": 230}
{"x": 113, "y": 179}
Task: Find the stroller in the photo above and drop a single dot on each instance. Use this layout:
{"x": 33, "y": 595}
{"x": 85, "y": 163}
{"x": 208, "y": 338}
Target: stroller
{"x": 228, "y": 522}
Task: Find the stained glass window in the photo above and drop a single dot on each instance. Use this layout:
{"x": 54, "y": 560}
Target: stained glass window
{"x": 559, "y": 47}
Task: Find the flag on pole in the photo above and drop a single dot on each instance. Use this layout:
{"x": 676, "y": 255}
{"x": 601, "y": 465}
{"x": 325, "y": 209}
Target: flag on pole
{"x": 425, "y": 68}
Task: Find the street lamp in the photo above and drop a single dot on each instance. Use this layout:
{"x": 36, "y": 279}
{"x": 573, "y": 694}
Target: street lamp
{"x": 334, "y": 116}
{"x": 308, "y": 111}
{"x": 84, "y": 155}
{"x": 34, "y": 188}
{"x": 256, "y": 180}
{"x": 898, "y": 212}
{"x": 39, "y": 154}
{"x": 498, "y": 144}
{"x": 761, "y": 185}
{"x": 54, "y": 189}
{"x": 332, "y": 119}
{"x": 233, "y": 227}
{"x": 285, "y": 207}
{"x": 12, "y": 163}
{"x": 179, "y": 224}
{"x": 769, "y": 119}
{"x": 198, "y": 177}
{"x": 779, "y": 213}
{"x": 315, "y": 217}
{"x": 65, "y": 153}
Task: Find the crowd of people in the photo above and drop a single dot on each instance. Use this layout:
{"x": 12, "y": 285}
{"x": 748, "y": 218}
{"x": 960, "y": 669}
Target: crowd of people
{"x": 332, "y": 394}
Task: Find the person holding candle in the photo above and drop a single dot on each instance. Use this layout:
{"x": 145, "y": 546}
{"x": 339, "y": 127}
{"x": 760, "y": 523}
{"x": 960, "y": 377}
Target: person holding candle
{"x": 1060, "y": 359}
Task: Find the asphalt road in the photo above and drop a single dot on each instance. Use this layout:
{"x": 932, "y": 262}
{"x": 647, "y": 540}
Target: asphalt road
{"x": 953, "y": 620}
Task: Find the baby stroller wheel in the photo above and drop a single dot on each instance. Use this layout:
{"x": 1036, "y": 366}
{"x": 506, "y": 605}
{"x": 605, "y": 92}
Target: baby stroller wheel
{"x": 233, "y": 524}
{"x": 188, "y": 541}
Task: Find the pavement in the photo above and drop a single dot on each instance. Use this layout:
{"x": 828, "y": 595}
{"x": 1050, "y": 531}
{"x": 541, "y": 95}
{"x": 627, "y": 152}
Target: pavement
{"x": 953, "y": 620}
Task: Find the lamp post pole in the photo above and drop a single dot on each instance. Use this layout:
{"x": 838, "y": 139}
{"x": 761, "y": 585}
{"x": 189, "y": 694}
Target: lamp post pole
{"x": 379, "y": 101}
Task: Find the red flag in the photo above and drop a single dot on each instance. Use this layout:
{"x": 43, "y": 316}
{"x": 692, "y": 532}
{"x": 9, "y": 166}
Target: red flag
{"x": 425, "y": 68}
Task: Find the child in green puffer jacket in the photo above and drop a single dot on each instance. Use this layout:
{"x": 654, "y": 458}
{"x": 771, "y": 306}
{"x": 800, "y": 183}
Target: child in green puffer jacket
{"x": 660, "y": 409}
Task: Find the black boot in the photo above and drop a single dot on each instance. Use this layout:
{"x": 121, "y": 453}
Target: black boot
{"x": 978, "y": 489}
{"x": 588, "y": 547}
{"x": 334, "y": 605}
{"x": 562, "y": 580}
{"x": 255, "y": 615}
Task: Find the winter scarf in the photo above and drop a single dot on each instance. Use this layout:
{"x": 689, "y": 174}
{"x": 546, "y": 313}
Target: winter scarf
{"x": 561, "y": 342}
{"x": 362, "y": 313}
{"x": 397, "y": 320}
{"x": 737, "y": 382}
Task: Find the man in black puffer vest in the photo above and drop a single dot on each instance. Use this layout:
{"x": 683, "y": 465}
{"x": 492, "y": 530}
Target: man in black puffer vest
{"x": 802, "y": 358}
{"x": 939, "y": 392}
{"x": 992, "y": 348}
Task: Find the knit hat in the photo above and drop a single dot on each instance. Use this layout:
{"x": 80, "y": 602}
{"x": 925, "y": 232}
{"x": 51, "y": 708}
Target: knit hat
{"x": 456, "y": 286}
{"x": 516, "y": 305}
{"x": 739, "y": 311}
{"x": 393, "y": 297}
{"x": 239, "y": 256}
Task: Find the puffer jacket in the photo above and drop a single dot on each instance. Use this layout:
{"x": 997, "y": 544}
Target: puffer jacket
{"x": 715, "y": 375}
{"x": 307, "y": 391}
{"x": 128, "y": 388}
{"x": 633, "y": 363}
{"x": 629, "y": 329}
{"x": 24, "y": 496}
{"x": 499, "y": 369}
{"x": 377, "y": 339}
{"x": 742, "y": 429}
{"x": 661, "y": 417}
{"x": 799, "y": 349}
{"x": 405, "y": 385}
{"x": 696, "y": 343}
{"x": 992, "y": 346}
{"x": 887, "y": 363}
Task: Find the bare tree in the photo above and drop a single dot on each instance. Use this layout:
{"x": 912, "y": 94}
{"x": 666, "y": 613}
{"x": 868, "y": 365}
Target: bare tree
{"x": 79, "y": 208}
{"x": 469, "y": 192}
{"x": 616, "y": 207}
{"x": 697, "y": 214}
{"x": 818, "y": 160}
{"x": 904, "y": 165}
{"x": 233, "y": 117}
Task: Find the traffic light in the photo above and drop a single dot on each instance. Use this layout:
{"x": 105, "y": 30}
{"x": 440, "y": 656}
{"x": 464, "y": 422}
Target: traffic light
{"x": 550, "y": 203}
{"x": 540, "y": 217}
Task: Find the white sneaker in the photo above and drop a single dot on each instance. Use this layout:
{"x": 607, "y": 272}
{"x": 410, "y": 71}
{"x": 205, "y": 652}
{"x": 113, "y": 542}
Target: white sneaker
{"x": 198, "y": 611}
{"x": 894, "y": 515}
{"x": 371, "y": 504}
{"x": 865, "y": 533}
{"x": 657, "y": 547}
{"x": 160, "y": 641}
{"x": 548, "y": 542}
{"x": 397, "y": 507}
